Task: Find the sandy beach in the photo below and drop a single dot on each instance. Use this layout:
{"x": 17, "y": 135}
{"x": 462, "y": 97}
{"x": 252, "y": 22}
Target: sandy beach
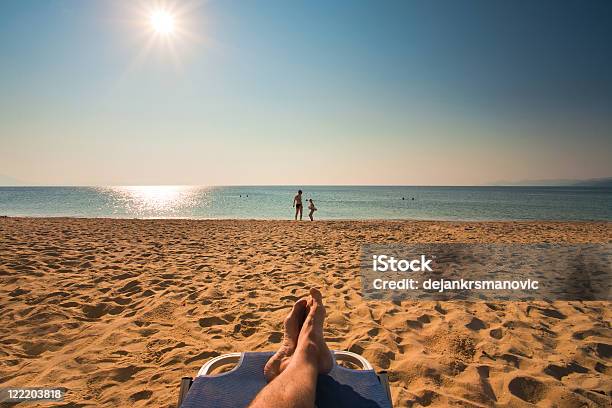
{"x": 117, "y": 311}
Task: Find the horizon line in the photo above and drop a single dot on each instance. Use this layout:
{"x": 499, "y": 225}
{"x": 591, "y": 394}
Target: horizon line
{"x": 508, "y": 184}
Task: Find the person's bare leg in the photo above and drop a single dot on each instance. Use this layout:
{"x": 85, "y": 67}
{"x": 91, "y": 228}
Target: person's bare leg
{"x": 296, "y": 212}
{"x": 292, "y": 324}
{"x": 301, "y": 210}
{"x": 295, "y": 386}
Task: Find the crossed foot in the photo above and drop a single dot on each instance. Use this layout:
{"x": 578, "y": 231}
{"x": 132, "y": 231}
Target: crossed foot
{"x": 303, "y": 334}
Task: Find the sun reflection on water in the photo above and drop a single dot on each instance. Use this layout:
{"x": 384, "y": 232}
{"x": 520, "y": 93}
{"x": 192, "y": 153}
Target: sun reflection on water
{"x": 155, "y": 201}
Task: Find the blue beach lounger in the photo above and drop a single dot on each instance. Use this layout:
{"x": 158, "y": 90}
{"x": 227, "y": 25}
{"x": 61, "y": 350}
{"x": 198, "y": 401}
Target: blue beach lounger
{"x": 342, "y": 387}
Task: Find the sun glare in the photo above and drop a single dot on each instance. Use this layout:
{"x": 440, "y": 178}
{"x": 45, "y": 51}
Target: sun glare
{"x": 162, "y": 22}
{"x": 144, "y": 200}
{"x": 166, "y": 30}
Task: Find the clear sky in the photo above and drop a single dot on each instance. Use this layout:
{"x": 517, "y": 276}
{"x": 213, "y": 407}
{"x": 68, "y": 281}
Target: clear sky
{"x": 305, "y": 92}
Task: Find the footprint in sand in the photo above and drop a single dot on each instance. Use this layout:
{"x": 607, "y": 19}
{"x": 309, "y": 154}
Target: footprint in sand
{"x": 603, "y": 350}
{"x": 582, "y": 334}
{"x": 18, "y": 292}
{"x": 427, "y": 398}
{"x": 561, "y": 371}
{"x": 124, "y": 374}
{"x": 528, "y": 389}
{"x": 496, "y": 333}
{"x": 553, "y": 313}
{"x": 204, "y": 355}
{"x": 141, "y": 395}
{"x": 96, "y": 311}
{"x": 131, "y": 288}
{"x": 476, "y": 324}
{"x": 425, "y": 319}
{"x": 512, "y": 359}
{"x": 211, "y": 321}
{"x": 438, "y": 308}
{"x": 34, "y": 349}
{"x": 414, "y": 324}
{"x": 483, "y": 373}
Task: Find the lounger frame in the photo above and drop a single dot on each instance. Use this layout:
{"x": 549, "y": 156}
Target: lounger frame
{"x": 234, "y": 358}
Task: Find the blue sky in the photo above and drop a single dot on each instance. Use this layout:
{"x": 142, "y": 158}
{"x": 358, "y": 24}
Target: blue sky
{"x": 307, "y": 92}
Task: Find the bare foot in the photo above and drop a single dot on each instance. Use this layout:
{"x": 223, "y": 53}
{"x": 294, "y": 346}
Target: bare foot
{"x": 292, "y": 324}
{"x": 326, "y": 359}
{"x": 311, "y": 342}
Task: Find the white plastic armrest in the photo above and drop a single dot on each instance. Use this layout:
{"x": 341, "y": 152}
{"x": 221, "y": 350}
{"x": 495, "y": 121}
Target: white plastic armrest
{"x": 234, "y": 358}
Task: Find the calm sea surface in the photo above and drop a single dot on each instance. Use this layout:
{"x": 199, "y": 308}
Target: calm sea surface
{"x": 333, "y": 202}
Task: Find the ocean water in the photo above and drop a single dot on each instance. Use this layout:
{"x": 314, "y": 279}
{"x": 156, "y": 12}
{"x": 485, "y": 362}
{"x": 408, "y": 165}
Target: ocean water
{"x": 333, "y": 202}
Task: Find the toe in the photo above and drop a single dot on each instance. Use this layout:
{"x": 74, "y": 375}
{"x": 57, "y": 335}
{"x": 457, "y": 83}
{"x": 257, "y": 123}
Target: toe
{"x": 316, "y": 295}
{"x": 294, "y": 321}
{"x": 300, "y": 306}
{"x": 317, "y": 308}
{"x": 297, "y": 311}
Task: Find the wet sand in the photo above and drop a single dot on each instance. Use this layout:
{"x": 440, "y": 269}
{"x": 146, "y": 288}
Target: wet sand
{"x": 118, "y": 311}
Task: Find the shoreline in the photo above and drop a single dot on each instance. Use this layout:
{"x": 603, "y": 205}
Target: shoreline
{"x": 319, "y": 220}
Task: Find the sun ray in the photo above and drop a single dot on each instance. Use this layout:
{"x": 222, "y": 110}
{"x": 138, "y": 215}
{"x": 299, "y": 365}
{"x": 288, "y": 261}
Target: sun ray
{"x": 166, "y": 31}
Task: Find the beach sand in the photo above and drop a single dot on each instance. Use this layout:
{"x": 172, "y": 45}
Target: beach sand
{"x": 118, "y": 311}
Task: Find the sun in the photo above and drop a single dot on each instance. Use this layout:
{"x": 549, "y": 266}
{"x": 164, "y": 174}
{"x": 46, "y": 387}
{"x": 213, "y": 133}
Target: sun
{"x": 162, "y": 22}
{"x": 165, "y": 29}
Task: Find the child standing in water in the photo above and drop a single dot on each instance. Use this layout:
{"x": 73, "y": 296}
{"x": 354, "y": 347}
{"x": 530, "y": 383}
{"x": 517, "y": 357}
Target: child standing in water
{"x": 312, "y": 208}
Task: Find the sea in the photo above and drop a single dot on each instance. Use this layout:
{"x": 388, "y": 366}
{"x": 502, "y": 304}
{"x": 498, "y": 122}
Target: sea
{"x": 332, "y": 202}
